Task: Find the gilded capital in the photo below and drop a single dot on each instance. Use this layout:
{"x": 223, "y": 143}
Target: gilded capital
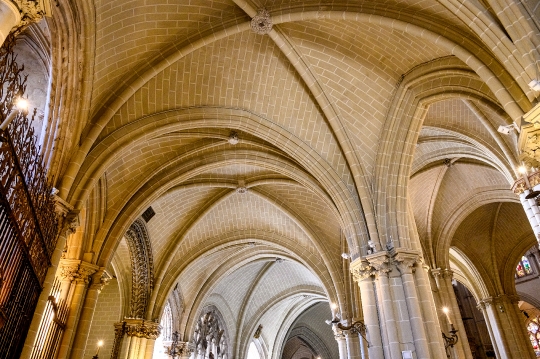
{"x": 142, "y": 329}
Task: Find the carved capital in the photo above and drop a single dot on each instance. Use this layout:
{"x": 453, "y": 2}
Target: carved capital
{"x": 405, "y": 260}
{"x": 30, "y": 11}
{"x": 100, "y": 279}
{"x": 361, "y": 269}
{"x": 68, "y": 269}
{"x": 380, "y": 262}
{"x": 86, "y": 270}
{"x": 142, "y": 329}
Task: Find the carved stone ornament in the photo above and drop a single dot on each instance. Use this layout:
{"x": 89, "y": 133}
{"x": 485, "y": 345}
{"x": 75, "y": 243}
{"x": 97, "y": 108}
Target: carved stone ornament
{"x": 241, "y": 187}
{"x": 30, "y": 11}
{"x": 361, "y": 270}
{"x": 140, "y": 252}
{"x": 262, "y": 22}
{"x": 405, "y": 260}
{"x": 142, "y": 329}
{"x": 68, "y": 270}
{"x": 520, "y": 185}
{"x": 381, "y": 262}
{"x": 233, "y": 138}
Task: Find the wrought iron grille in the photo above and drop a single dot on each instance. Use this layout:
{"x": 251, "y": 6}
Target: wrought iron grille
{"x": 28, "y": 225}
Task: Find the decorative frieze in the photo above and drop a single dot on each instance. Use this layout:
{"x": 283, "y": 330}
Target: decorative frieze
{"x": 529, "y": 139}
{"x": 142, "y": 329}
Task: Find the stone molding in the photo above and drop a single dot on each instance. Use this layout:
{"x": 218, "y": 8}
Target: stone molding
{"x": 361, "y": 269}
{"x": 140, "y": 328}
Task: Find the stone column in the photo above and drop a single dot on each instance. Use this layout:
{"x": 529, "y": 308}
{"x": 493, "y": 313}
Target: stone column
{"x": 363, "y": 274}
{"x": 353, "y": 344}
{"x": 141, "y": 335}
{"x": 508, "y": 333}
{"x": 395, "y": 305}
{"x": 447, "y": 298}
{"x": 67, "y": 224}
{"x": 342, "y": 344}
{"x": 99, "y": 280}
{"x": 75, "y": 297}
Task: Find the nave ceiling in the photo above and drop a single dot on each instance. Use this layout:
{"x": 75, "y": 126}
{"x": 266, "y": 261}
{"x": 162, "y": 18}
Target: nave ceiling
{"x": 301, "y": 144}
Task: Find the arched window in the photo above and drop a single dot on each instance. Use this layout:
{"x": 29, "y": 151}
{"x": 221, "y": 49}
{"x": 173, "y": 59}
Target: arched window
{"x": 534, "y": 334}
{"x": 210, "y": 339}
{"x": 253, "y": 353}
{"x": 523, "y": 268}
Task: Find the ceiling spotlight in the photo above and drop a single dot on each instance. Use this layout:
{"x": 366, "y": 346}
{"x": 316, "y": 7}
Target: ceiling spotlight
{"x": 534, "y": 85}
{"x": 346, "y": 255}
{"x": 505, "y": 130}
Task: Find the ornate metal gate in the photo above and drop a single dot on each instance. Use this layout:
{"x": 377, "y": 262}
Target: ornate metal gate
{"x": 28, "y": 224}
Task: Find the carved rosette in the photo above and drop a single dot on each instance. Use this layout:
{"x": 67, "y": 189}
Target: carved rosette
{"x": 143, "y": 329}
{"x": 262, "y": 22}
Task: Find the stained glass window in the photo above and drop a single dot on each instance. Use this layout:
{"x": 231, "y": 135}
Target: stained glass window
{"x": 523, "y": 268}
{"x": 534, "y": 335}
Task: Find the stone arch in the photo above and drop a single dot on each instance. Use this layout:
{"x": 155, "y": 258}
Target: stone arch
{"x": 140, "y": 252}
{"x": 420, "y": 87}
{"x": 311, "y": 339}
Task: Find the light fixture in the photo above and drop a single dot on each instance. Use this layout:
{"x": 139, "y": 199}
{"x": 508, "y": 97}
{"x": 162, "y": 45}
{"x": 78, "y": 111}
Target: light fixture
{"x": 534, "y": 85}
{"x": 333, "y": 306}
{"x": 99, "y": 345}
{"x": 505, "y": 130}
{"x": 522, "y": 169}
{"x": 346, "y": 255}
{"x": 20, "y": 105}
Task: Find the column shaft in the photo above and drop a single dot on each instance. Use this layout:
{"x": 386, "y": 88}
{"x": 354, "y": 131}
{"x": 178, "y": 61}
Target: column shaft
{"x": 353, "y": 344}
{"x": 371, "y": 318}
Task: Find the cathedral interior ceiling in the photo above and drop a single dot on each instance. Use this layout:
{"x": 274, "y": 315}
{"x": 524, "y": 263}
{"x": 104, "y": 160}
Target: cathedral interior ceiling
{"x": 255, "y": 224}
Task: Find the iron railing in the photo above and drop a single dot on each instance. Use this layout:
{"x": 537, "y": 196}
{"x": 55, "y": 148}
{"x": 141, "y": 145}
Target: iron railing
{"x": 28, "y": 225}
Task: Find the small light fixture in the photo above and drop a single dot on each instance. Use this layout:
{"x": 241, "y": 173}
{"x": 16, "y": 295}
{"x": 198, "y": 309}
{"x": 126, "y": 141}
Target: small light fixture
{"x": 505, "y": 130}
{"x": 99, "y": 345}
{"x": 20, "y": 105}
{"x": 534, "y": 85}
{"x": 522, "y": 169}
{"x": 346, "y": 255}
{"x": 333, "y": 306}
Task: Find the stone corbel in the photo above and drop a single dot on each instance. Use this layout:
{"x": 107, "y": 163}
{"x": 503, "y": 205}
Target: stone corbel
{"x": 68, "y": 217}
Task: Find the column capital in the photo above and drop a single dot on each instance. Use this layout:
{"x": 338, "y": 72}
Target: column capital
{"x": 361, "y": 269}
{"x": 498, "y": 300}
{"x": 381, "y": 262}
{"x": 442, "y": 273}
{"x": 406, "y": 259}
{"x": 529, "y": 142}
{"x": 76, "y": 270}
{"x": 141, "y": 328}
{"x": 30, "y": 11}
{"x": 100, "y": 279}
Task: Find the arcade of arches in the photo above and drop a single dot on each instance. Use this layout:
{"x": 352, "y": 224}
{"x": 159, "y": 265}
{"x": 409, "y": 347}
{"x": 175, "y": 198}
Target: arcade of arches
{"x": 271, "y": 179}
